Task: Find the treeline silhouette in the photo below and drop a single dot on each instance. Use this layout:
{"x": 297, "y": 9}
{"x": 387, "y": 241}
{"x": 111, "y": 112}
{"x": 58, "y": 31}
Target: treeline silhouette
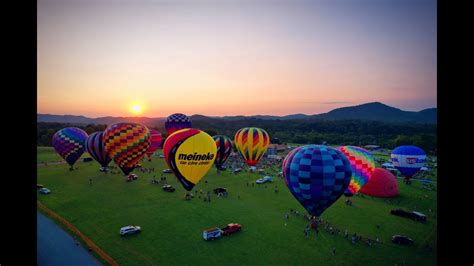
{"x": 348, "y": 132}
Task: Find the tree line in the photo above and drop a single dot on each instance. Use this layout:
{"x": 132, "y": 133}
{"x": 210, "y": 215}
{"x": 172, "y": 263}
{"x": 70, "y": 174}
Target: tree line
{"x": 342, "y": 132}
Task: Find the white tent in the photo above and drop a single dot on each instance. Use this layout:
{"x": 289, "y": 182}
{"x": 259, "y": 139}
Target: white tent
{"x": 387, "y": 165}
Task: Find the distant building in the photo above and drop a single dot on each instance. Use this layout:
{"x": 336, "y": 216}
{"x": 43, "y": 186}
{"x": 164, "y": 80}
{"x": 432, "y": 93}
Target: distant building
{"x": 372, "y": 147}
{"x": 270, "y": 151}
{"x": 278, "y": 147}
{"x": 276, "y": 157}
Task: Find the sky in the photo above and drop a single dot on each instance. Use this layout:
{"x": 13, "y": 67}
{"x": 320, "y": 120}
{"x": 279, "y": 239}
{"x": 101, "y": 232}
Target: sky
{"x": 101, "y": 58}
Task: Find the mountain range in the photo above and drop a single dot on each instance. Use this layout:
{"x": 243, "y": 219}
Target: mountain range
{"x": 374, "y": 111}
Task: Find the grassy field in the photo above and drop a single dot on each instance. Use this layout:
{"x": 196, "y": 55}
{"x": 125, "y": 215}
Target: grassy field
{"x": 172, "y": 227}
{"x": 47, "y": 154}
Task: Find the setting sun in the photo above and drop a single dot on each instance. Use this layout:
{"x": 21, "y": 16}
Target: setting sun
{"x": 136, "y": 109}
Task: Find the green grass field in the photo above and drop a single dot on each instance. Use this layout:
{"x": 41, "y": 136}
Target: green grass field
{"x": 47, "y": 154}
{"x": 172, "y": 227}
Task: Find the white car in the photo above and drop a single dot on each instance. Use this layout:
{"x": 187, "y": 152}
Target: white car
{"x": 264, "y": 180}
{"x": 44, "y": 191}
{"x": 130, "y": 229}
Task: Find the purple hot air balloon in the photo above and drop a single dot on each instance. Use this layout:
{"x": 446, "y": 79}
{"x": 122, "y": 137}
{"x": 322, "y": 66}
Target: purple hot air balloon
{"x": 69, "y": 144}
{"x": 176, "y": 122}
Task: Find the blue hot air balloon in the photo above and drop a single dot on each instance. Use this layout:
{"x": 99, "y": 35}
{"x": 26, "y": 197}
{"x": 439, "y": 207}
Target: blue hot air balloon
{"x": 317, "y": 176}
{"x": 408, "y": 160}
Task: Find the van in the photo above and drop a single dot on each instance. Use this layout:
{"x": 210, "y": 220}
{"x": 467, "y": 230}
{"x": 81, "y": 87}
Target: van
{"x": 212, "y": 233}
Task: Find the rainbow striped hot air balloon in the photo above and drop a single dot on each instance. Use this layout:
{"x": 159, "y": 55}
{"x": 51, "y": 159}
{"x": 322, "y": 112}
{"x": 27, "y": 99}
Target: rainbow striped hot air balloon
{"x": 69, "y": 144}
{"x": 126, "y": 144}
{"x": 224, "y": 148}
{"x": 251, "y": 142}
{"x": 363, "y": 166}
{"x": 95, "y": 147}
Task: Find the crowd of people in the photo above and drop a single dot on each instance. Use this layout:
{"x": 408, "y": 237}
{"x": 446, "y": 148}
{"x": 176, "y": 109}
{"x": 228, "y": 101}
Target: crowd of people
{"x": 319, "y": 224}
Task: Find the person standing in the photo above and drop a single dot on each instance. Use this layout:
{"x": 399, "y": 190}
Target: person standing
{"x": 90, "y": 181}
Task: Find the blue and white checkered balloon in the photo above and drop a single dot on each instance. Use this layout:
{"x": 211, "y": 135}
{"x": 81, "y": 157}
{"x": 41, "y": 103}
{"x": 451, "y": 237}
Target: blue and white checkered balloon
{"x": 317, "y": 176}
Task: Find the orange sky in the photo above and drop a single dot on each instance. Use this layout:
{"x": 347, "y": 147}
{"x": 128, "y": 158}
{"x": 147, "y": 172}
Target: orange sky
{"x": 96, "y": 58}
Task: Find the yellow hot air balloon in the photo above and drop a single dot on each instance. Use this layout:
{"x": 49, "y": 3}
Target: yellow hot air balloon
{"x": 189, "y": 153}
{"x": 251, "y": 142}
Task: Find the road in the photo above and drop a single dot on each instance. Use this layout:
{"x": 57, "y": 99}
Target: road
{"x": 56, "y": 247}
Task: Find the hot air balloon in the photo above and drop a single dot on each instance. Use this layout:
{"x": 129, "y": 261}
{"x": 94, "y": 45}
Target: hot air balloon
{"x": 224, "y": 148}
{"x": 176, "y": 122}
{"x": 126, "y": 144}
{"x": 382, "y": 184}
{"x": 69, "y": 144}
{"x": 408, "y": 160}
{"x": 155, "y": 142}
{"x": 251, "y": 142}
{"x": 317, "y": 176}
{"x": 189, "y": 153}
{"x": 95, "y": 147}
{"x": 363, "y": 165}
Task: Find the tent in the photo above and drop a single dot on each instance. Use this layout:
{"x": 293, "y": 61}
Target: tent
{"x": 382, "y": 184}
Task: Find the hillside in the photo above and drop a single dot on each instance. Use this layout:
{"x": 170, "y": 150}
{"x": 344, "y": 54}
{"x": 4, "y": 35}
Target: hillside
{"x": 375, "y": 111}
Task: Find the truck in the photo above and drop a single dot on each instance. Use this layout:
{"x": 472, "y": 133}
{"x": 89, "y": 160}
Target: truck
{"x": 216, "y": 232}
{"x": 230, "y": 229}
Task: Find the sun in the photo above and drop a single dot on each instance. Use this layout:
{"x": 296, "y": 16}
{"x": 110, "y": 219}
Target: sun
{"x": 136, "y": 109}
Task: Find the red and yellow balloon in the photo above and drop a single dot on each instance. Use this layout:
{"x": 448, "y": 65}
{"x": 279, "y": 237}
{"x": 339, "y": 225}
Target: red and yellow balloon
{"x": 126, "y": 144}
{"x": 189, "y": 153}
{"x": 252, "y": 143}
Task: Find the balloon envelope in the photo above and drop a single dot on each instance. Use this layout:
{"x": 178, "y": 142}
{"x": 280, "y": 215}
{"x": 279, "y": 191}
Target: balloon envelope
{"x": 69, "y": 143}
{"x": 382, "y": 184}
{"x": 224, "y": 148}
{"x": 126, "y": 144}
{"x": 408, "y": 160}
{"x": 362, "y": 164}
{"x": 95, "y": 147}
{"x": 155, "y": 143}
{"x": 251, "y": 142}
{"x": 176, "y": 122}
{"x": 317, "y": 176}
{"x": 189, "y": 153}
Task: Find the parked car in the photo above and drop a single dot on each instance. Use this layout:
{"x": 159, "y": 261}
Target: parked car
{"x": 160, "y": 156}
{"x": 169, "y": 188}
{"x": 130, "y": 229}
{"x": 212, "y": 233}
{"x": 87, "y": 159}
{"x": 236, "y": 170}
{"x": 132, "y": 177}
{"x": 230, "y": 229}
{"x": 264, "y": 180}
{"x": 38, "y": 186}
{"x": 166, "y": 171}
{"x": 220, "y": 190}
{"x": 402, "y": 240}
{"x": 417, "y": 216}
{"x": 44, "y": 191}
